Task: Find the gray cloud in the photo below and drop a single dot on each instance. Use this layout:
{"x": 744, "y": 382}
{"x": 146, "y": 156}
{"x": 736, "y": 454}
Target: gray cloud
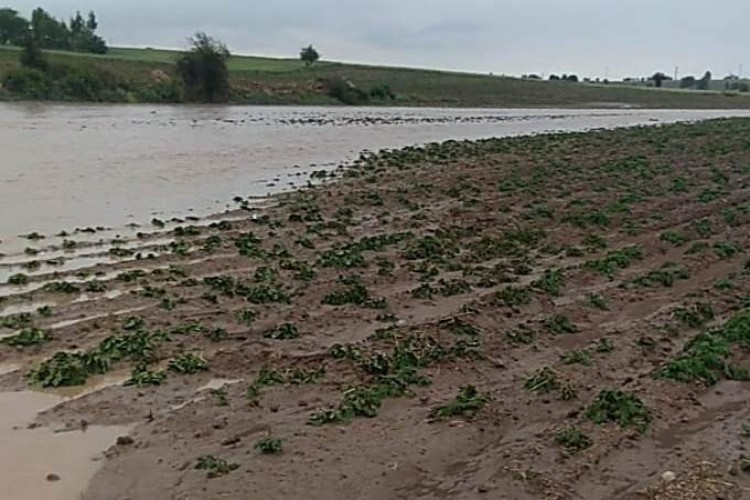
{"x": 589, "y": 37}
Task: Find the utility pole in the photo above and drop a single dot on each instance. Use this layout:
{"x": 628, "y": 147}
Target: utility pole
{"x": 676, "y": 72}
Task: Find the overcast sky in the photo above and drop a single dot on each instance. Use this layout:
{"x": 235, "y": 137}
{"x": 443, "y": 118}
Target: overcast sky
{"x": 594, "y": 38}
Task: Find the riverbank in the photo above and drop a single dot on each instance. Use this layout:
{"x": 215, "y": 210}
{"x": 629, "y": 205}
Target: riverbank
{"x": 557, "y": 316}
{"x": 140, "y": 75}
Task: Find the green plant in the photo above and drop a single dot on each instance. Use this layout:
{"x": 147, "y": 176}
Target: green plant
{"x": 551, "y": 282}
{"x": 18, "y": 279}
{"x": 612, "y": 405}
{"x": 513, "y": 297}
{"x": 286, "y": 331}
{"x": 27, "y": 337}
{"x": 142, "y": 376}
{"x": 573, "y": 439}
{"x": 665, "y": 276}
{"x": 597, "y": 301}
{"x": 203, "y": 70}
{"x": 269, "y": 445}
{"x": 613, "y": 261}
{"x": 468, "y": 402}
{"x": 726, "y": 249}
{"x": 543, "y": 381}
{"x": 215, "y": 467}
{"x": 356, "y": 293}
{"x": 188, "y": 364}
{"x": 559, "y": 324}
{"x": 673, "y": 237}
{"x": 520, "y": 336}
{"x": 580, "y": 357}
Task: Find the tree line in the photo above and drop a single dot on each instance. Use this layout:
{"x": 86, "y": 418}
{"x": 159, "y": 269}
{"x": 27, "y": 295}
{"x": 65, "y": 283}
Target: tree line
{"x": 47, "y": 32}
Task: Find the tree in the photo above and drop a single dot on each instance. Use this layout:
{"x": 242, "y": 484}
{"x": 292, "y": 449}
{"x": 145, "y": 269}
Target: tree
{"x": 203, "y": 70}
{"x": 31, "y": 55}
{"x": 688, "y": 82}
{"x": 309, "y": 55}
{"x": 12, "y": 27}
{"x": 705, "y": 82}
{"x": 658, "y": 78}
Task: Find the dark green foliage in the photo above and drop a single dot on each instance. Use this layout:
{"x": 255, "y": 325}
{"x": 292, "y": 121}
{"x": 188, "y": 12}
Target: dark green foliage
{"x": 726, "y": 249}
{"x": 18, "y": 279}
{"x": 573, "y": 439}
{"x": 215, "y": 467}
{"x": 27, "y": 337}
{"x": 16, "y": 321}
{"x": 673, "y": 237}
{"x": 513, "y": 297}
{"x": 696, "y": 315}
{"x": 559, "y": 324}
{"x": 707, "y": 357}
{"x": 613, "y": 261}
{"x": 188, "y": 364}
{"x": 355, "y": 293}
{"x": 468, "y": 402}
{"x": 141, "y": 376}
{"x": 309, "y": 55}
{"x": 551, "y": 282}
{"x": 625, "y": 409}
{"x": 269, "y": 445}
{"x": 665, "y": 276}
{"x": 286, "y": 331}
{"x": 203, "y": 70}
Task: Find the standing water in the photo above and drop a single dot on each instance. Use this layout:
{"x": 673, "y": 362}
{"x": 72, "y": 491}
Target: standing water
{"x": 66, "y": 166}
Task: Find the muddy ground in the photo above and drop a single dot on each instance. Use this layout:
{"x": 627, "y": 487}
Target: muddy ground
{"x": 557, "y": 317}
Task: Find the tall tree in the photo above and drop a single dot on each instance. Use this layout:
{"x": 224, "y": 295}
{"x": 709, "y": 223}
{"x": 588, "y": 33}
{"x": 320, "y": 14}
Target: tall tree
{"x": 12, "y": 27}
{"x": 203, "y": 70}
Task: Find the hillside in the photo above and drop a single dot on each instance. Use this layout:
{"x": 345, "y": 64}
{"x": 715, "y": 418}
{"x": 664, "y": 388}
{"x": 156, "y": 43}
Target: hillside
{"x": 258, "y": 80}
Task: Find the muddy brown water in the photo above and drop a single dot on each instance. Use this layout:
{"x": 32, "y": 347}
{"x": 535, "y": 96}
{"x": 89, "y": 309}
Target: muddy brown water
{"x": 68, "y": 166}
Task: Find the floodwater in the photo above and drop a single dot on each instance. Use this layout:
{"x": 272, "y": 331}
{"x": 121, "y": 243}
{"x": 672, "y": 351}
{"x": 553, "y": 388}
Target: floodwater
{"x": 41, "y": 462}
{"x": 69, "y": 166}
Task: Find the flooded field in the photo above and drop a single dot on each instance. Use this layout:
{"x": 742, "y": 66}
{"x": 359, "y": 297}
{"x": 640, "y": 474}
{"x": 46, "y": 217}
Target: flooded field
{"x": 67, "y": 167}
{"x": 530, "y": 279}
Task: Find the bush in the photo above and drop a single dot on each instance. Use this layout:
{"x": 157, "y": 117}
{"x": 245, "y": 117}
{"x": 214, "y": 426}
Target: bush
{"x": 345, "y": 91}
{"x": 204, "y": 71}
{"x": 28, "y": 83}
{"x": 382, "y": 93}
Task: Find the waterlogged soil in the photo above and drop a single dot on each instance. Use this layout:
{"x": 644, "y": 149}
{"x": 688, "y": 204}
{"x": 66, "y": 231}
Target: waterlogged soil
{"x": 558, "y": 317}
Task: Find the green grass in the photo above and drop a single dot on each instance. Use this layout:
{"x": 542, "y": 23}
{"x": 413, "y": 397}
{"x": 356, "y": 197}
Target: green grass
{"x": 264, "y": 80}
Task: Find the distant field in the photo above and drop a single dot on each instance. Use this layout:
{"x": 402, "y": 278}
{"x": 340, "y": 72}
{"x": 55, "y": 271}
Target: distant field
{"x": 263, "y": 80}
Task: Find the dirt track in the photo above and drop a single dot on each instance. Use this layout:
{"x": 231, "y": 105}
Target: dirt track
{"x": 560, "y": 276}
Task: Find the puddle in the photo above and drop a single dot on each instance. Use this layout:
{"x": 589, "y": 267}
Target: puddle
{"x": 29, "y": 456}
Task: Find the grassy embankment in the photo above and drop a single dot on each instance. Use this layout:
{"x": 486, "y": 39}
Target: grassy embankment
{"x": 259, "y": 80}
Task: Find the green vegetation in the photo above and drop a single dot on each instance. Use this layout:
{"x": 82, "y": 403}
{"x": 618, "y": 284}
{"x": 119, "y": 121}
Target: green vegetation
{"x": 573, "y": 439}
{"x": 28, "y": 337}
{"x": 269, "y": 445}
{"x": 625, "y": 409}
{"x": 707, "y": 358}
{"x": 215, "y": 467}
{"x": 188, "y": 364}
{"x": 203, "y": 70}
{"x": 468, "y": 402}
{"x": 613, "y": 261}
